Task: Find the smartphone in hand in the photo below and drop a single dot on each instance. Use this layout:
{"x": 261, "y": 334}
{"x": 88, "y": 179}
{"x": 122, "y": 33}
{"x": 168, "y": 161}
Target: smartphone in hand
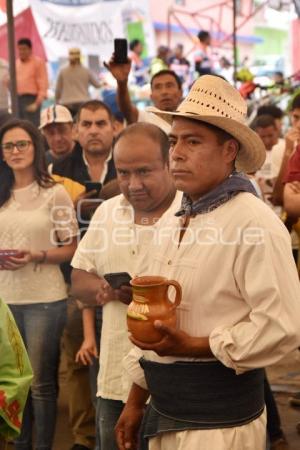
{"x": 7, "y": 253}
{"x": 93, "y": 185}
{"x": 120, "y": 51}
{"x": 118, "y": 279}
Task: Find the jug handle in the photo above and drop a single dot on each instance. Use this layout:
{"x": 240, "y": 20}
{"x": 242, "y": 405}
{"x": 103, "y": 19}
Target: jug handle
{"x": 178, "y": 291}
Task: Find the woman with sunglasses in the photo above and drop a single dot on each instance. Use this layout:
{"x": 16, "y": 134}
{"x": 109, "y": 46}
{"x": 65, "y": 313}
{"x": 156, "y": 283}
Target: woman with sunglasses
{"x": 38, "y": 231}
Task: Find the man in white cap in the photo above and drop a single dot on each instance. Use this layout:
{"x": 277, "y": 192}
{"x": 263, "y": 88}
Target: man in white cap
{"x": 239, "y": 311}
{"x": 57, "y": 126}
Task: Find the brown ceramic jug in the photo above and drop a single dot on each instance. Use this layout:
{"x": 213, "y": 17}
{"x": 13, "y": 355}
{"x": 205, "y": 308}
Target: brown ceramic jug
{"x": 150, "y": 302}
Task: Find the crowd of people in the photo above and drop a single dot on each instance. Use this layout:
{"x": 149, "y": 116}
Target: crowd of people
{"x": 184, "y": 189}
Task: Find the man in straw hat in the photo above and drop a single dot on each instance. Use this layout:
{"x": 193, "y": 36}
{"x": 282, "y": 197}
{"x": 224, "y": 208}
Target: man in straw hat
{"x": 239, "y": 310}
{"x": 73, "y": 81}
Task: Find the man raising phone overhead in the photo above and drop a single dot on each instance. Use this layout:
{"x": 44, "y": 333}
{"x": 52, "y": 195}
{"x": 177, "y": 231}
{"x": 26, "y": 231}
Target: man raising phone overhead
{"x": 166, "y": 93}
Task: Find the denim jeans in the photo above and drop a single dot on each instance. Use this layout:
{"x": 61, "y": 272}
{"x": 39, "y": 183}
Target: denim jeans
{"x": 108, "y": 413}
{"x": 41, "y": 326}
{"x": 274, "y": 429}
{"x": 94, "y": 370}
{"x": 93, "y": 373}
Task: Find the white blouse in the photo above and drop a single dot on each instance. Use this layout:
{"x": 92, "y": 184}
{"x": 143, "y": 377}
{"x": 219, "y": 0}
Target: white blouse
{"x": 35, "y": 218}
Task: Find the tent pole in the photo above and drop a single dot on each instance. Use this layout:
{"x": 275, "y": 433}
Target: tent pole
{"x": 12, "y": 59}
{"x": 234, "y": 11}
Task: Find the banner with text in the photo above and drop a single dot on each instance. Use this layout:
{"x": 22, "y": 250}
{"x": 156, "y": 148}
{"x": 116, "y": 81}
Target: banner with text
{"x": 92, "y": 27}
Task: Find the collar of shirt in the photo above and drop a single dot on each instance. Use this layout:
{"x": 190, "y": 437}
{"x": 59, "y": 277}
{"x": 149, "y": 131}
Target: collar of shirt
{"x": 105, "y": 167}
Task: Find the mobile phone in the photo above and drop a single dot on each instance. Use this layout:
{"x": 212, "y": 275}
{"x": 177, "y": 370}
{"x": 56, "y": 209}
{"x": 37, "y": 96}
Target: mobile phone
{"x": 120, "y": 51}
{"x": 7, "y": 253}
{"x": 93, "y": 185}
{"x": 118, "y": 279}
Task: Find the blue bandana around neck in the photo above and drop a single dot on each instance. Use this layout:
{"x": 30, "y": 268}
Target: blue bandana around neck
{"x": 235, "y": 183}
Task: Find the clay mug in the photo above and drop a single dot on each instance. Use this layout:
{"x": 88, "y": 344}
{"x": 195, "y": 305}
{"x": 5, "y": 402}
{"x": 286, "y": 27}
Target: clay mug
{"x": 150, "y": 302}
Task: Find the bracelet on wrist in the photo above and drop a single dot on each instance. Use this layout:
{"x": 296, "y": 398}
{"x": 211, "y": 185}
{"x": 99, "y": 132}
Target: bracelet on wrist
{"x": 44, "y": 257}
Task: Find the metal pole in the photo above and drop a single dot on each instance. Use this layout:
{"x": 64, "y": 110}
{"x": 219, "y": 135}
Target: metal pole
{"x": 12, "y": 59}
{"x": 234, "y": 42}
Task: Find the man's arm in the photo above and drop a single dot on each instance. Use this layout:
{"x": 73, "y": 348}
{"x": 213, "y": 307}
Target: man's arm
{"x": 86, "y": 286}
{"x": 88, "y": 348}
{"x": 92, "y": 290}
{"x": 291, "y": 138}
{"x": 291, "y": 199}
{"x": 85, "y": 205}
{"x": 42, "y": 82}
{"x": 94, "y": 81}
{"x": 176, "y": 342}
{"x": 110, "y": 189}
{"x": 58, "y": 87}
{"x": 121, "y": 72}
{"x": 129, "y": 422}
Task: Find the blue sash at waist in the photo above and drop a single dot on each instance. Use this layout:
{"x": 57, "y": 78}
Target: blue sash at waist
{"x": 200, "y": 395}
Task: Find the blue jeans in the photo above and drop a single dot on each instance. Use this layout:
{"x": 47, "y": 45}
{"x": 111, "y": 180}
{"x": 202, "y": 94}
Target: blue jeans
{"x": 108, "y": 413}
{"x": 41, "y": 326}
{"x": 93, "y": 373}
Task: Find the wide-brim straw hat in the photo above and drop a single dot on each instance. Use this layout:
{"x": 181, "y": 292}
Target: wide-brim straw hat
{"x": 214, "y": 101}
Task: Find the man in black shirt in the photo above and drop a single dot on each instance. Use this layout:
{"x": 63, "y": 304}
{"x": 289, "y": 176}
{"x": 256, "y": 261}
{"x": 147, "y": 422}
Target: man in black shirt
{"x": 90, "y": 160}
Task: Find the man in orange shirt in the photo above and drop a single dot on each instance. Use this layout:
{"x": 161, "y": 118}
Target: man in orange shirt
{"x": 32, "y": 82}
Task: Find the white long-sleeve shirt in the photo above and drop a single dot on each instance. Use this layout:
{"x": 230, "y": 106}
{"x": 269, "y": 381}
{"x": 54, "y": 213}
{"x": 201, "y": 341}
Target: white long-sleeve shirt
{"x": 239, "y": 282}
{"x": 114, "y": 243}
{"x": 241, "y": 288}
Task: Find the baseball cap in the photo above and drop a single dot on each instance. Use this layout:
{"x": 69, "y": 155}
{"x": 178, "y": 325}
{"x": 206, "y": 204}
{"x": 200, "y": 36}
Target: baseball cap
{"x": 55, "y": 114}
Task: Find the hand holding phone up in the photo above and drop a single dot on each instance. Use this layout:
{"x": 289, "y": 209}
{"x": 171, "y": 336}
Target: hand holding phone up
{"x": 119, "y": 64}
{"x": 120, "y": 51}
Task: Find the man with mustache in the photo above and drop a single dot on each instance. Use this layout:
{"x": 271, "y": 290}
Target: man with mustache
{"x": 239, "y": 309}
{"x": 95, "y": 132}
{"x": 89, "y": 161}
{"x": 121, "y": 236}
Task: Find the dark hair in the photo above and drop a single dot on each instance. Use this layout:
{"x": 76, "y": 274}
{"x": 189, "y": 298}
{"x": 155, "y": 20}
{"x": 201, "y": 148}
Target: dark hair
{"x": 179, "y": 45}
{"x": 94, "y": 105}
{"x": 203, "y": 35}
{"x": 295, "y": 103}
{"x": 153, "y": 132}
{"x": 25, "y": 41}
{"x": 221, "y": 135}
{"x": 167, "y": 72}
{"x": 134, "y": 43}
{"x": 41, "y": 175}
{"x": 263, "y": 121}
{"x": 270, "y": 110}
{"x": 278, "y": 73}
